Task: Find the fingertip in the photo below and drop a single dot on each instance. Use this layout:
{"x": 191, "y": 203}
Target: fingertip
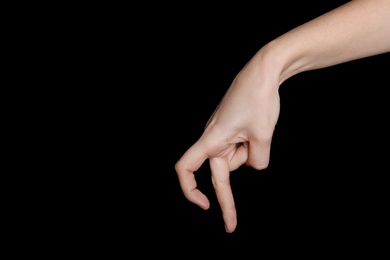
{"x": 203, "y": 202}
{"x": 198, "y": 198}
{"x": 229, "y": 228}
{"x": 230, "y": 221}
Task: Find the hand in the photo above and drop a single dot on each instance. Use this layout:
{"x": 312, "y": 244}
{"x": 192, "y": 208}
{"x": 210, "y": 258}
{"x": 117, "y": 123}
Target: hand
{"x": 239, "y": 132}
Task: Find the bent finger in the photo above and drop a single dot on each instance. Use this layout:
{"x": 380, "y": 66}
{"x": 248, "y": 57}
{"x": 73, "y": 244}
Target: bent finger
{"x": 259, "y": 153}
{"x": 185, "y": 167}
{"x": 239, "y": 157}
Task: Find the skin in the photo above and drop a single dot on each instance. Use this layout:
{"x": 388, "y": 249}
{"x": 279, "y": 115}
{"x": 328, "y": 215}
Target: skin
{"x": 241, "y": 128}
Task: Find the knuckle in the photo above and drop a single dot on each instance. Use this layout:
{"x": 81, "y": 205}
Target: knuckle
{"x": 260, "y": 165}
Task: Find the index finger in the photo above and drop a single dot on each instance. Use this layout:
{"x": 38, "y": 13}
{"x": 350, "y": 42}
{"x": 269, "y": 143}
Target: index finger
{"x": 189, "y": 163}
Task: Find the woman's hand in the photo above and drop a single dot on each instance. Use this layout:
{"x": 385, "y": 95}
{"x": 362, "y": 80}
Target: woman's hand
{"x": 239, "y": 132}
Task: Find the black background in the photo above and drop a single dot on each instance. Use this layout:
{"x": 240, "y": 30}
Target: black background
{"x": 153, "y": 76}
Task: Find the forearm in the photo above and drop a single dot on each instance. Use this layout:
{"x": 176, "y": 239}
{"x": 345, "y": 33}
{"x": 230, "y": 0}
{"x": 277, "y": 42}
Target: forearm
{"x": 358, "y": 29}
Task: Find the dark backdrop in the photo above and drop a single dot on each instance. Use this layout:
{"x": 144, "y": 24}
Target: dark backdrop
{"x": 153, "y": 82}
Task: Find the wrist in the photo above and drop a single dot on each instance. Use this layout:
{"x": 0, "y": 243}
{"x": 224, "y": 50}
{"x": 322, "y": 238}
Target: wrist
{"x": 274, "y": 63}
{"x": 279, "y": 62}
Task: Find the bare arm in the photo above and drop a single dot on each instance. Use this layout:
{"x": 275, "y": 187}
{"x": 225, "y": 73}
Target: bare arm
{"x": 358, "y": 29}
